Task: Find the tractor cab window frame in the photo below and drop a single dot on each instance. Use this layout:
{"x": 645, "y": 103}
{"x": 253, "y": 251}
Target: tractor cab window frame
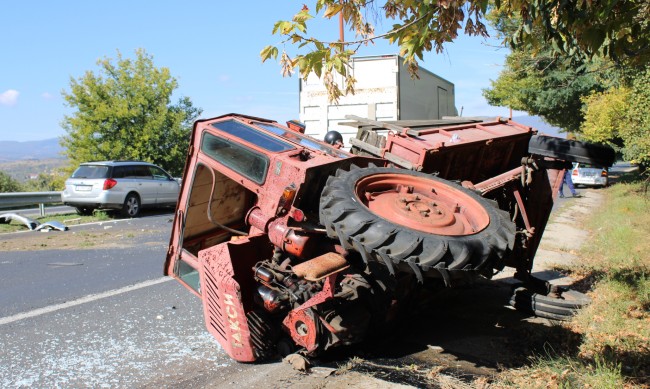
{"x": 253, "y": 136}
{"x": 302, "y": 140}
{"x": 235, "y": 156}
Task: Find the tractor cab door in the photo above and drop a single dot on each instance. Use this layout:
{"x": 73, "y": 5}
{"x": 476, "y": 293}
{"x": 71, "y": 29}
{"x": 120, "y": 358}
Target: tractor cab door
{"x": 212, "y": 208}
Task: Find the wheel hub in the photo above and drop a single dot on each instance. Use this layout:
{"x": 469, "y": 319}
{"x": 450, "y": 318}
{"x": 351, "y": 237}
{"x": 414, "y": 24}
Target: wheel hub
{"x": 423, "y": 204}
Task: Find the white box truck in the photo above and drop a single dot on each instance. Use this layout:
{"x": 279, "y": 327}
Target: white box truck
{"x": 384, "y": 91}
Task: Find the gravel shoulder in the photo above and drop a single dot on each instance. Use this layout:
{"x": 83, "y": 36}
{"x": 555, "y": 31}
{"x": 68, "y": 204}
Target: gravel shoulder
{"x": 120, "y": 233}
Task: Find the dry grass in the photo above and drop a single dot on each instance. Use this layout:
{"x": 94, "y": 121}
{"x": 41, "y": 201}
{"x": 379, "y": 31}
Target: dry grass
{"x": 615, "y": 329}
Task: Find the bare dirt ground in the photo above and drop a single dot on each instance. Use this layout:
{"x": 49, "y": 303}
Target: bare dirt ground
{"x": 461, "y": 338}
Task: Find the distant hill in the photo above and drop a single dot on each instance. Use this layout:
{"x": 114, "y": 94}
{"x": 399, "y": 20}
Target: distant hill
{"x": 23, "y": 169}
{"x": 34, "y": 150}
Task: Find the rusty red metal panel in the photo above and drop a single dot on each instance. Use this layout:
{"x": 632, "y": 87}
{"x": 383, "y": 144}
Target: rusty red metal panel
{"x": 422, "y": 203}
{"x": 473, "y": 152}
{"x": 301, "y": 322}
{"x": 224, "y": 313}
{"x": 538, "y": 198}
{"x": 500, "y": 180}
{"x": 227, "y": 289}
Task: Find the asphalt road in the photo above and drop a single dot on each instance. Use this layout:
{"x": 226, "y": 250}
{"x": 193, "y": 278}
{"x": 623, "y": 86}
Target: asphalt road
{"x": 106, "y": 317}
{"x": 101, "y": 317}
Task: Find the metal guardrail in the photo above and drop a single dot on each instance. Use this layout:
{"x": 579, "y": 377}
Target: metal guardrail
{"x": 18, "y": 199}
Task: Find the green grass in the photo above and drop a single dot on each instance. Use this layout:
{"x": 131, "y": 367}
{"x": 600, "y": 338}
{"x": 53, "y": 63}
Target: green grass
{"x": 614, "y": 350}
{"x": 563, "y": 372}
{"x": 620, "y": 232}
{"x": 68, "y": 218}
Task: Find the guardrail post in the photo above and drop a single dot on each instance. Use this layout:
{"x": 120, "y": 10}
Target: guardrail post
{"x": 41, "y": 208}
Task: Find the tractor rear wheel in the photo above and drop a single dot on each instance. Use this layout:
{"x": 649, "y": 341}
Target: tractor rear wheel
{"x": 400, "y": 216}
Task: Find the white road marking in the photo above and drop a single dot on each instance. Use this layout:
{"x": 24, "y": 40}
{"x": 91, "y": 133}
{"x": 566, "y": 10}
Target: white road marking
{"x": 82, "y": 300}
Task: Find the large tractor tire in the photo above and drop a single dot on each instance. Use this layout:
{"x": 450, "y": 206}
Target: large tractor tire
{"x": 400, "y": 216}
{"x": 572, "y": 150}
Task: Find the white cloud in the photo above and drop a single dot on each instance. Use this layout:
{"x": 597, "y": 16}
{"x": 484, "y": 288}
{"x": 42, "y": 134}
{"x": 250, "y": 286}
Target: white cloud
{"x": 47, "y": 95}
{"x": 9, "y": 97}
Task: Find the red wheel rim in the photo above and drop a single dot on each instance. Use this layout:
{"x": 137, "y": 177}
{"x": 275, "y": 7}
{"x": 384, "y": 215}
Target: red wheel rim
{"x": 422, "y": 204}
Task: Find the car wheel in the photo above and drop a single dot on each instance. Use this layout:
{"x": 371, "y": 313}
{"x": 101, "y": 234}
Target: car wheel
{"x": 84, "y": 211}
{"x": 131, "y": 207}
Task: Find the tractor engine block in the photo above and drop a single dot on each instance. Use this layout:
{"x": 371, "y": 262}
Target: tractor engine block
{"x": 319, "y": 303}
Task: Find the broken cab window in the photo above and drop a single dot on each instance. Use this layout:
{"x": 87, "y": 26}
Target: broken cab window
{"x": 189, "y": 275}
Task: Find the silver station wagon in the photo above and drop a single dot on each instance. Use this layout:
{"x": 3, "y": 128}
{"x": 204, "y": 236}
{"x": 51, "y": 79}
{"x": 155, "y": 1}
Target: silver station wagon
{"x": 127, "y": 186}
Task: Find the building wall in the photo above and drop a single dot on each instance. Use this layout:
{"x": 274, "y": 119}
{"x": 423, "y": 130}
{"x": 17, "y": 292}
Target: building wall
{"x": 384, "y": 91}
{"x": 429, "y": 97}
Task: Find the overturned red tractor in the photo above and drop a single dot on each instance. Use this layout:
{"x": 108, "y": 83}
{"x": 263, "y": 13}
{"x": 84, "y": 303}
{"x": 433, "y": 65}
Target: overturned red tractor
{"x": 292, "y": 243}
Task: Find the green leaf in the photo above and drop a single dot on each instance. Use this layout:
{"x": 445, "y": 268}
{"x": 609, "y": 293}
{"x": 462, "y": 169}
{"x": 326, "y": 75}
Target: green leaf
{"x": 318, "y": 68}
{"x": 302, "y": 16}
{"x": 277, "y": 26}
{"x": 332, "y": 9}
{"x": 268, "y": 52}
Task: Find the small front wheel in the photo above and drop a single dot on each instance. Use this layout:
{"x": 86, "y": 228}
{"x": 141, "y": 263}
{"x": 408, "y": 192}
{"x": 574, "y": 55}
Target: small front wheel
{"x": 131, "y": 207}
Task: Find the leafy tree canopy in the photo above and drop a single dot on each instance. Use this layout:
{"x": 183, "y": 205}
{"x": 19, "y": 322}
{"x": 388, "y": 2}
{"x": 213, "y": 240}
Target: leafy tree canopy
{"x": 9, "y": 184}
{"x": 615, "y": 29}
{"x": 547, "y": 85}
{"x": 54, "y": 181}
{"x": 124, "y": 112}
{"x": 636, "y": 131}
{"x": 604, "y": 114}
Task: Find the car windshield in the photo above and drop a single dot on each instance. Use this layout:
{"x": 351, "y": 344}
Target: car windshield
{"x": 251, "y": 135}
{"x": 302, "y": 140}
{"x": 91, "y": 171}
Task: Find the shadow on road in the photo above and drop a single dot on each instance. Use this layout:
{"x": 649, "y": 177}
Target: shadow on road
{"x": 468, "y": 332}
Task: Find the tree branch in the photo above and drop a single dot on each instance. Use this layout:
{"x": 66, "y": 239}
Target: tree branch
{"x": 360, "y": 41}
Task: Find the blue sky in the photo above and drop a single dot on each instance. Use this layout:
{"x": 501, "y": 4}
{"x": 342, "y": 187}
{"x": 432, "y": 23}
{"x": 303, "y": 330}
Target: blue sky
{"x": 211, "y": 48}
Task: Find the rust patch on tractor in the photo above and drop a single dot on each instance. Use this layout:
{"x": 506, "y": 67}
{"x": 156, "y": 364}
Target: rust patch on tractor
{"x": 321, "y": 267}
